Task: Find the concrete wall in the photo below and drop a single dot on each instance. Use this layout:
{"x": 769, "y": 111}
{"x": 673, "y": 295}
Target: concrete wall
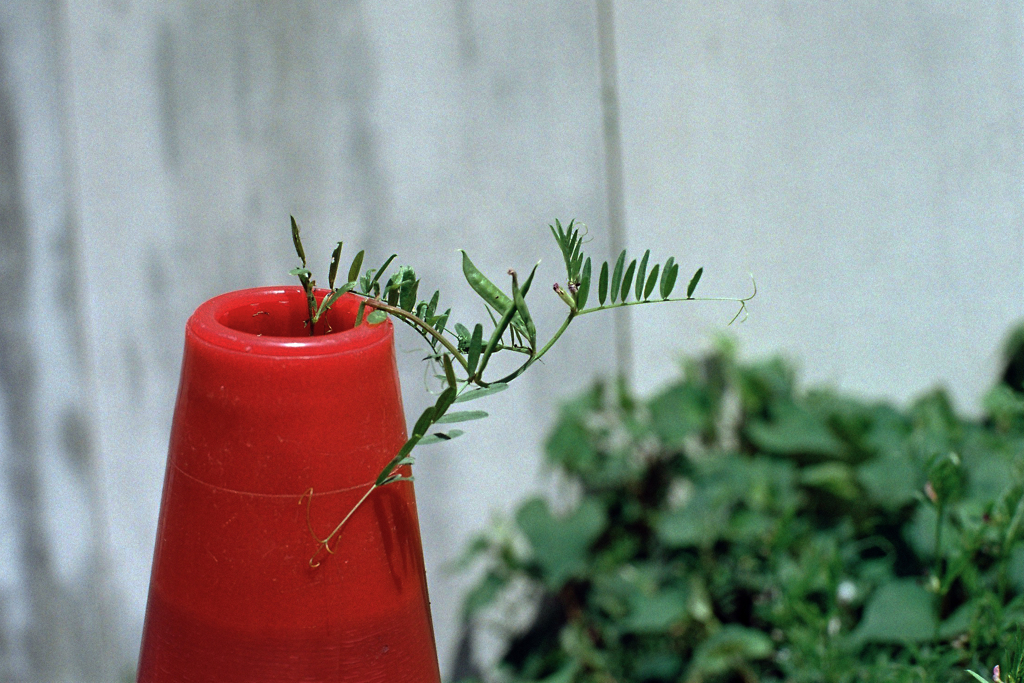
{"x": 863, "y": 160}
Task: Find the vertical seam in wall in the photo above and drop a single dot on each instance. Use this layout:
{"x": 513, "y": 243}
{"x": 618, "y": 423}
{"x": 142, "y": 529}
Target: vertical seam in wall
{"x": 614, "y": 183}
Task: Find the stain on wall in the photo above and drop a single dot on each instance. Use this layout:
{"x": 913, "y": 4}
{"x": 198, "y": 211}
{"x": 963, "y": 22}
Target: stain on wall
{"x": 17, "y": 385}
{"x": 47, "y": 458}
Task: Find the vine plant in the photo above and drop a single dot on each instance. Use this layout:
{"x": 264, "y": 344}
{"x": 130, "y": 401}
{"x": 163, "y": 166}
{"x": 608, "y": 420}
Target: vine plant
{"x": 463, "y": 353}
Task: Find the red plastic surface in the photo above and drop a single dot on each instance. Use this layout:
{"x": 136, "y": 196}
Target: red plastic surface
{"x": 264, "y": 413}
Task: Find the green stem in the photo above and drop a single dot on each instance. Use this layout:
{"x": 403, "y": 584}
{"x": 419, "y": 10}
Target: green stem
{"x": 517, "y": 349}
{"x": 554, "y": 338}
{"x": 573, "y": 313}
{"x": 413, "y": 319}
{"x": 325, "y": 543}
{"x": 622, "y": 304}
{"x": 499, "y": 330}
{"x": 522, "y": 368}
{"x": 742, "y": 301}
{"x": 500, "y": 347}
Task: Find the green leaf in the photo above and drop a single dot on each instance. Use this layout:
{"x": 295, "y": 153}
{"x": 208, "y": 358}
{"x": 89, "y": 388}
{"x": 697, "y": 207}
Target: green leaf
{"x": 920, "y": 532}
{"x": 488, "y": 291}
{"x": 424, "y": 421}
{"x": 561, "y": 545}
{"x": 380, "y": 271}
{"x": 307, "y": 286}
{"x": 569, "y": 445}
{"x": 329, "y": 300}
{"x": 602, "y": 284}
{"x": 652, "y": 280}
{"x": 659, "y": 665}
{"x": 617, "y": 276}
{"x": 333, "y": 270}
{"x": 529, "y": 280}
{"x": 577, "y": 258}
{"x": 657, "y": 612}
{"x": 560, "y": 236}
{"x": 442, "y": 320}
{"x": 891, "y": 479}
{"x": 565, "y": 244}
{"x": 584, "y": 288}
{"x": 897, "y": 612}
{"x": 364, "y": 281}
{"x": 453, "y": 384}
{"x": 393, "y": 290}
{"x": 499, "y": 330}
{"x": 385, "y": 476}
{"x": 376, "y": 317}
{"x": 699, "y": 523}
{"x": 438, "y": 437}
{"x": 519, "y": 297}
{"x": 693, "y": 282}
{"x": 668, "y": 277}
{"x": 835, "y": 477}
{"x": 482, "y": 392}
{"x": 357, "y": 264}
{"x": 408, "y": 290}
{"x": 678, "y": 412}
{"x": 627, "y": 280}
{"x": 445, "y": 399}
{"x": 727, "y": 648}
{"x": 432, "y": 306}
{"x": 460, "y": 416}
{"x": 297, "y": 241}
{"x": 476, "y": 341}
{"x": 795, "y": 430}
{"x": 640, "y": 274}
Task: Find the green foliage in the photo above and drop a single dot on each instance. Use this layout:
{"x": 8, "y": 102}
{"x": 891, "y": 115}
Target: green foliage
{"x": 734, "y": 527}
{"x": 455, "y": 348}
{"x": 560, "y": 546}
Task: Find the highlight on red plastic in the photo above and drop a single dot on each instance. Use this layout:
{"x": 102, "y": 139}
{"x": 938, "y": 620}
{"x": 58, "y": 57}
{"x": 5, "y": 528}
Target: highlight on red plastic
{"x": 266, "y": 412}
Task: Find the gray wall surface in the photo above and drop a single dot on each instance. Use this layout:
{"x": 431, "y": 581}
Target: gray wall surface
{"x": 863, "y": 160}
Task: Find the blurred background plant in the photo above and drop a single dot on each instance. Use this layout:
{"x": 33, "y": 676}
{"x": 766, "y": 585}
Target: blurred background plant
{"x": 735, "y": 527}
